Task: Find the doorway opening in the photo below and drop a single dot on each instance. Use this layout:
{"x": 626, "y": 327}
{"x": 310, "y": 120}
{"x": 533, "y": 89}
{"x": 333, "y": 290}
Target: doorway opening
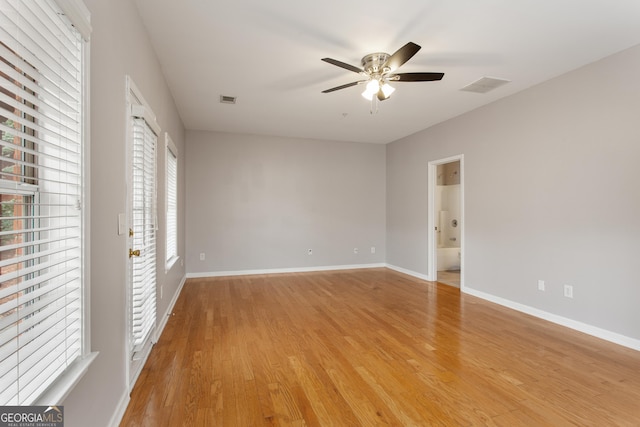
{"x": 446, "y": 221}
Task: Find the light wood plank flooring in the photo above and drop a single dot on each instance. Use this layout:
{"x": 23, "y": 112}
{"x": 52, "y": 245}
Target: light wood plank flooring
{"x": 373, "y": 347}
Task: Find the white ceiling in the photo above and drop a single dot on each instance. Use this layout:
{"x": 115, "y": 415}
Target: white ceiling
{"x": 267, "y": 54}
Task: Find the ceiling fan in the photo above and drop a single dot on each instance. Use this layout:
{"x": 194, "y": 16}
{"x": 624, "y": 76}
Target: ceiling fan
{"x": 379, "y": 69}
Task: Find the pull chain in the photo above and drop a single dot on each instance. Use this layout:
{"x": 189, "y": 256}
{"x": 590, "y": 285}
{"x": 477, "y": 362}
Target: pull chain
{"x": 374, "y": 102}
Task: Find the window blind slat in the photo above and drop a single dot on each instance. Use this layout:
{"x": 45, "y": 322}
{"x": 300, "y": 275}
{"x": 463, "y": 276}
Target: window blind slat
{"x": 18, "y": 84}
{"x": 52, "y": 290}
{"x": 35, "y": 257}
{"x": 40, "y": 229}
{"x": 74, "y": 175}
{"x": 10, "y": 393}
{"x": 30, "y": 343}
{"x": 50, "y": 362}
{"x": 37, "y": 25}
{"x": 28, "y": 77}
{"x": 48, "y": 83}
{"x": 40, "y": 311}
{"x": 48, "y": 17}
{"x": 26, "y": 284}
{"x": 18, "y": 274}
{"x": 39, "y": 337}
{"x": 43, "y": 332}
{"x": 54, "y": 120}
{"x": 54, "y": 140}
{"x": 30, "y": 46}
{"x": 28, "y": 244}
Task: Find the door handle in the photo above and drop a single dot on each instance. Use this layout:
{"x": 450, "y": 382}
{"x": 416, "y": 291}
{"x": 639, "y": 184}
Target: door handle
{"x": 133, "y": 253}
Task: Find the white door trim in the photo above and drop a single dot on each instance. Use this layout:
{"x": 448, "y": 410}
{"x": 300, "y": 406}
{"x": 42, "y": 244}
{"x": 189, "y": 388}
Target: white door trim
{"x": 431, "y": 216}
{"x": 136, "y": 105}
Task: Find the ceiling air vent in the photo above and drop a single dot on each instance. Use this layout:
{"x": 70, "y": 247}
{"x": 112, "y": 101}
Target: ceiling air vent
{"x": 484, "y": 85}
{"x": 224, "y": 99}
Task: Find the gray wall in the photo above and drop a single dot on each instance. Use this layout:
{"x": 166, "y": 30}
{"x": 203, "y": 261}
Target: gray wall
{"x": 119, "y": 46}
{"x": 551, "y": 192}
{"x": 258, "y": 202}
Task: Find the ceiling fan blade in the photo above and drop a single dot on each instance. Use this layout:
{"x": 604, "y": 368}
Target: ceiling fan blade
{"x": 401, "y": 56}
{"x": 333, "y": 89}
{"x": 416, "y": 77}
{"x": 343, "y": 65}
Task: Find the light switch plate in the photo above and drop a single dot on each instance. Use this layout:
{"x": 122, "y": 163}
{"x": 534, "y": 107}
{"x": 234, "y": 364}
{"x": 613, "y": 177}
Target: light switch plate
{"x": 122, "y": 224}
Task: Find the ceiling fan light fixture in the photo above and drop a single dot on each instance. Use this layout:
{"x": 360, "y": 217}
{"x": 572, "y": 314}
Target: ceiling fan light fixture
{"x": 372, "y": 88}
{"x": 387, "y": 90}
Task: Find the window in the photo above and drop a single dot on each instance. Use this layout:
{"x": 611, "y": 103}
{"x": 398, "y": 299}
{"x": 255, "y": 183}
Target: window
{"x": 42, "y": 286}
{"x": 172, "y": 202}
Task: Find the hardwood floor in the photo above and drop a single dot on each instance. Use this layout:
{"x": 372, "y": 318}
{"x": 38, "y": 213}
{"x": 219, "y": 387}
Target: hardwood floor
{"x": 373, "y": 347}
{"x": 449, "y": 277}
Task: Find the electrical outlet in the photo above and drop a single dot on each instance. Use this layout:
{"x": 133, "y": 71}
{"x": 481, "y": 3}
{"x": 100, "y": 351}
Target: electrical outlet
{"x": 201, "y": 256}
{"x": 309, "y": 251}
{"x": 161, "y": 289}
{"x": 541, "y": 285}
{"x": 568, "y": 291}
{"x": 355, "y": 250}
{"x": 373, "y": 249}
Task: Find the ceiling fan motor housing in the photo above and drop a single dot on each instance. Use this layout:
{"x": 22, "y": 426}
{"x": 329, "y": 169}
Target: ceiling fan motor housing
{"x": 373, "y": 63}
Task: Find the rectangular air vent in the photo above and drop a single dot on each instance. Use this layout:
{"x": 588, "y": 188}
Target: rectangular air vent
{"x": 485, "y": 84}
{"x": 224, "y": 99}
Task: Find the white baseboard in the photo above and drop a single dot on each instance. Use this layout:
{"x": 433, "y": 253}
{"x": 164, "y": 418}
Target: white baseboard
{"x": 559, "y": 320}
{"x": 116, "y": 418}
{"x": 409, "y": 272}
{"x": 282, "y": 270}
{"x": 167, "y": 314}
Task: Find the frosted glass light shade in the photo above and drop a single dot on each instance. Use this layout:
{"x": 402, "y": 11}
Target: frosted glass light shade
{"x": 387, "y": 89}
{"x": 372, "y": 88}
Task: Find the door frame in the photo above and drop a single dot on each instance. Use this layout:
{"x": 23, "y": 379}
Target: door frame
{"x": 138, "y": 106}
{"x": 432, "y": 180}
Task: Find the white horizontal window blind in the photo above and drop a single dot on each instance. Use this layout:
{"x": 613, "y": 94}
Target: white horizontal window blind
{"x": 172, "y": 201}
{"x": 41, "y": 120}
{"x": 143, "y": 280}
